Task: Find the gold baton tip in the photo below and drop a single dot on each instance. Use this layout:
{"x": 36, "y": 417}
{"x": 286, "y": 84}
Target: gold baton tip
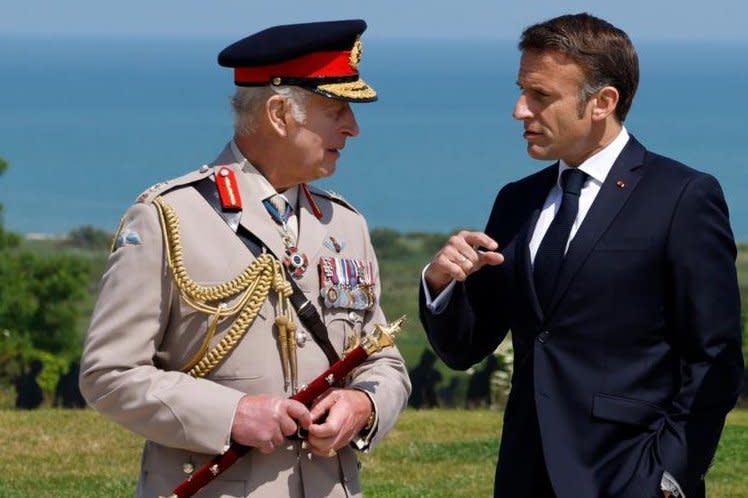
{"x": 383, "y": 336}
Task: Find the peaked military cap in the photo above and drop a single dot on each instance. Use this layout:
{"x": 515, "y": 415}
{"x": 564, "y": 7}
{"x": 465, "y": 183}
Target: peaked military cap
{"x": 322, "y": 57}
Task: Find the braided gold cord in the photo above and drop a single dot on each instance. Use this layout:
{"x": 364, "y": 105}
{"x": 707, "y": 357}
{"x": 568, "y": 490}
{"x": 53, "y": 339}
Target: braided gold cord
{"x": 254, "y": 283}
{"x": 210, "y": 360}
{"x": 212, "y": 327}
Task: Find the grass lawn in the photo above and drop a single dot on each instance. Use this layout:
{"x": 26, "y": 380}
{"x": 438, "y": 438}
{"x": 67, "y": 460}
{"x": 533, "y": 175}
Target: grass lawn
{"x": 431, "y": 453}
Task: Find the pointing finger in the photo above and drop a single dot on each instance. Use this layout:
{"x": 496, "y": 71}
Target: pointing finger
{"x": 480, "y": 239}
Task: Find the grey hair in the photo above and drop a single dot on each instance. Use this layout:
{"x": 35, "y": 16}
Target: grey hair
{"x": 248, "y": 103}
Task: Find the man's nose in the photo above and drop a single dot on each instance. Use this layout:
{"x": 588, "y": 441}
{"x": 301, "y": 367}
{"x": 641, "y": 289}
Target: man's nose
{"x": 350, "y": 125}
{"x": 521, "y": 111}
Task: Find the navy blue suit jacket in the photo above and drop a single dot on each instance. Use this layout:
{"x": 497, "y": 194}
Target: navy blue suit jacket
{"x": 637, "y": 361}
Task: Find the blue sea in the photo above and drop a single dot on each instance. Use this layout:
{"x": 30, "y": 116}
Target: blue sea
{"x": 88, "y": 123}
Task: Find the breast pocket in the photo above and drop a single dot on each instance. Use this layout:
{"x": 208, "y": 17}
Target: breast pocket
{"x": 343, "y": 326}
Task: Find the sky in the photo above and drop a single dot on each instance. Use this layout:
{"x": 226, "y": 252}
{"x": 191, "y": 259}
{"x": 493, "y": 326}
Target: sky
{"x": 671, "y": 20}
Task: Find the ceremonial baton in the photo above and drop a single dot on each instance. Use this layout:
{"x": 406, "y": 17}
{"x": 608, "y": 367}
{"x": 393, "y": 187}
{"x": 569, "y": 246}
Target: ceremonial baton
{"x": 382, "y": 337}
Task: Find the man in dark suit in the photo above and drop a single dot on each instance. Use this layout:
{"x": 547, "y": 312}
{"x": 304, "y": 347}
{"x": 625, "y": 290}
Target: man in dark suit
{"x": 614, "y": 269}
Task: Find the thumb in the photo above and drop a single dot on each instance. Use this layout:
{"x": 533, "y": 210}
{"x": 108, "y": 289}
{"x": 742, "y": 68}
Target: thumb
{"x": 299, "y": 412}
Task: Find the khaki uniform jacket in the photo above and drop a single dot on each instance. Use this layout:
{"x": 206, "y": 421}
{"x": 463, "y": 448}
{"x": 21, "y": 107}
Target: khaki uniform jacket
{"x": 142, "y": 333}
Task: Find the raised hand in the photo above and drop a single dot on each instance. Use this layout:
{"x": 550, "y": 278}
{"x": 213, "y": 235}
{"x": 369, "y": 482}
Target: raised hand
{"x": 464, "y": 253}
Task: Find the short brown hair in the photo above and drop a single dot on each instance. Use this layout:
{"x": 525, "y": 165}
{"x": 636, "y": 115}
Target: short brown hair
{"x": 605, "y": 53}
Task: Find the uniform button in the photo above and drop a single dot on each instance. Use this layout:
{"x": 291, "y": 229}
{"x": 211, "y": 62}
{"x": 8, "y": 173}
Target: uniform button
{"x": 188, "y": 468}
{"x": 204, "y": 168}
{"x": 543, "y": 336}
{"x": 353, "y": 315}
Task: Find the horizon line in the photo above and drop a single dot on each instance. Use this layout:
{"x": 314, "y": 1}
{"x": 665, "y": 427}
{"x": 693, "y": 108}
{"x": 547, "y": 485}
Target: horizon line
{"x": 176, "y": 36}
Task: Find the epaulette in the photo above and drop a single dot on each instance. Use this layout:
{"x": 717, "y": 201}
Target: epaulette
{"x": 333, "y": 196}
{"x": 162, "y": 187}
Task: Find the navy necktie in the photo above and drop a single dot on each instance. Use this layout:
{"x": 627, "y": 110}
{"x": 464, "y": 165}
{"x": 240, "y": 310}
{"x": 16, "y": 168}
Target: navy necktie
{"x": 550, "y": 254}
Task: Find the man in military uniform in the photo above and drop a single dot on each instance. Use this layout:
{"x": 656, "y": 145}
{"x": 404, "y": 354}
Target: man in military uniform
{"x": 198, "y": 338}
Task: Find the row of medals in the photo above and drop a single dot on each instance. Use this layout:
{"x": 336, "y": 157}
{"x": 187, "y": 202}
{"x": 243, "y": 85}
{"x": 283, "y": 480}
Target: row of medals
{"x": 344, "y": 283}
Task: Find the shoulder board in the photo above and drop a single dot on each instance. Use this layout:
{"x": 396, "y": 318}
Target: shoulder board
{"x": 333, "y": 196}
{"x": 162, "y": 187}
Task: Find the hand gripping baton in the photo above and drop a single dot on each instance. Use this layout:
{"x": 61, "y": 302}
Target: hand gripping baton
{"x": 382, "y": 337}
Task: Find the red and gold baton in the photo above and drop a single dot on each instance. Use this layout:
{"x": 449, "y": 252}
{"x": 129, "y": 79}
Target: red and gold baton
{"x": 382, "y": 337}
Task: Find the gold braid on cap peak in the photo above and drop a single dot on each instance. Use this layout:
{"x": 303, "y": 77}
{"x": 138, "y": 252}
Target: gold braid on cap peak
{"x": 352, "y": 89}
{"x": 252, "y": 288}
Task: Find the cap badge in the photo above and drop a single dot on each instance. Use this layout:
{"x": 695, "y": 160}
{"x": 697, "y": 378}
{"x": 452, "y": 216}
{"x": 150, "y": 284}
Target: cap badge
{"x": 356, "y": 53}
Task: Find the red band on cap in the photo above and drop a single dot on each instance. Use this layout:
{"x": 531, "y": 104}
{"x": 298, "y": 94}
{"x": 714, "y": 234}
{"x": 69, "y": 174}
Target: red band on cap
{"x": 315, "y": 65}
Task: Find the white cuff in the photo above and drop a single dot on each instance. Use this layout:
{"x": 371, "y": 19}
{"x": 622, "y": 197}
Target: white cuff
{"x": 437, "y": 305}
{"x": 669, "y": 483}
{"x": 362, "y": 441}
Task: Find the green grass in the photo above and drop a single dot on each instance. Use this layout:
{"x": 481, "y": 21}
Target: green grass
{"x": 430, "y": 453}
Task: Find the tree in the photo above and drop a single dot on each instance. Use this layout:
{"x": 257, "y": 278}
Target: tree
{"x": 7, "y": 239}
{"x": 88, "y": 237}
{"x": 41, "y": 305}
{"x": 387, "y": 243}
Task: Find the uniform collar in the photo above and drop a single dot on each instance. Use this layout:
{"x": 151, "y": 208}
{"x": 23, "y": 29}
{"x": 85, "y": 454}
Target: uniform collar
{"x": 265, "y": 188}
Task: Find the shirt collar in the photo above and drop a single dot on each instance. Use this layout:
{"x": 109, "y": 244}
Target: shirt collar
{"x": 598, "y": 165}
{"x": 266, "y": 189}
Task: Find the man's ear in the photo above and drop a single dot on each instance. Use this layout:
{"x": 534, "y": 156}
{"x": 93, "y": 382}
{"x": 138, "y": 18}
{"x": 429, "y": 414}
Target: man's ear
{"x": 605, "y": 103}
{"x": 277, "y": 110}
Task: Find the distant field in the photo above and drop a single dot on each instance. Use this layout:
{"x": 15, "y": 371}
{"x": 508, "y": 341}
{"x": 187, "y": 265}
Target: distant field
{"x": 431, "y": 453}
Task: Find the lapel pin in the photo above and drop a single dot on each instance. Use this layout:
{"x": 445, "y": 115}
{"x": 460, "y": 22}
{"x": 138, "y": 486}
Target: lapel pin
{"x": 620, "y": 184}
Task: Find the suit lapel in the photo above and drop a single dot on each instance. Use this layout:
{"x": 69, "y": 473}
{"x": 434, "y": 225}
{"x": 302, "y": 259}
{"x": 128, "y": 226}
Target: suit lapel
{"x": 537, "y": 194}
{"x": 618, "y": 185}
